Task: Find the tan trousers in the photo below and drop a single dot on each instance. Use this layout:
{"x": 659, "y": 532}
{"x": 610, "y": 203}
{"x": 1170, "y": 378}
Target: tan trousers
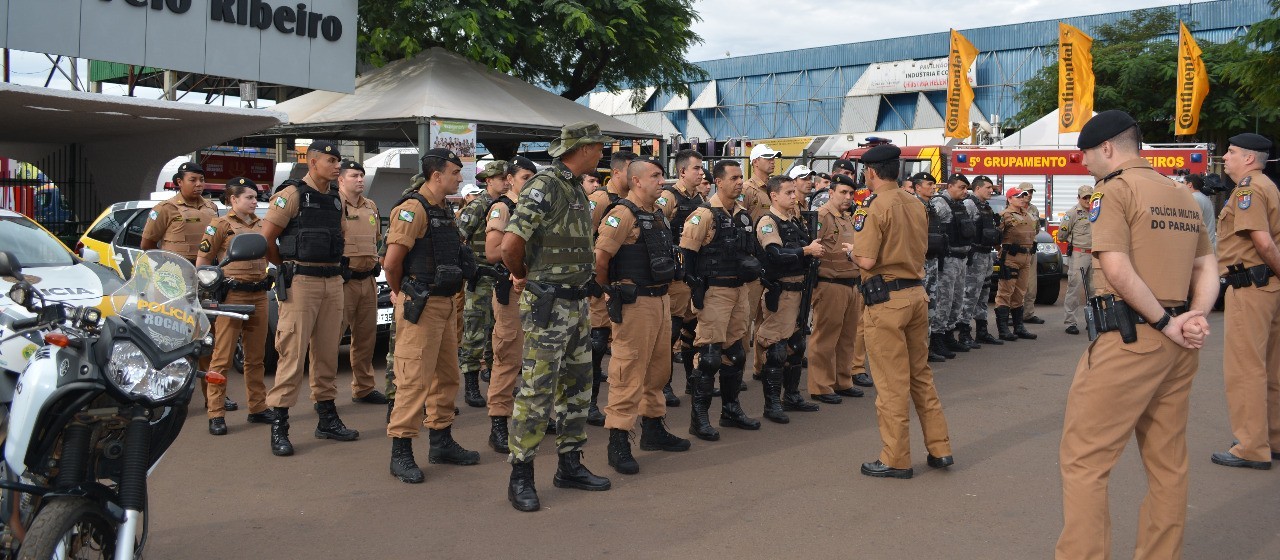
{"x": 1122, "y": 390}
{"x": 1075, "y": 288}
{"x": 360, "y": 313}
{"x": 860, "y": 341}
{"x": 755, "y": 294}
{"x": 599, "y": 314}
{"x": 310, "y": 324}
{"x": 724, "y": 316}
{"x": 426, "y": 368}
{"x": 254, "y": 334}
{"x": 1251, "y": 369}
{"x": 1012, "y": 293}
{"x": 897, "y": 331}
{"x": 508, "y": 344}
{"x": 777, "y": 326}
{"x": 641, "y": 363}
{"x": 836, "y": 311}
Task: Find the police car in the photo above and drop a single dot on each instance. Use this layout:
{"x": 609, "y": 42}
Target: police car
{"x": 117, "y": 235}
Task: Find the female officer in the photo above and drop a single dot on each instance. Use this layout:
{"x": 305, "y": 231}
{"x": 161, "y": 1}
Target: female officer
{"x": 786, "y": 246}
{"x": 248, "y": 285}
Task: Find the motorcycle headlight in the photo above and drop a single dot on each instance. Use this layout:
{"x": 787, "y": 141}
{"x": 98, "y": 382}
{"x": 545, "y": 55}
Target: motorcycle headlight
{"x": 1047, "y": 248}
{"x": 131, "y": 372}
{"x": 208, "y": 276}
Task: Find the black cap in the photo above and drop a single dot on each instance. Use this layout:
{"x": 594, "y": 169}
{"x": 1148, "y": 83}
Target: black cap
{"x": 1251, "y": 141}
{"x": 521, "y": 162}
{"x": 844, "y": 164}
{"x": 350, "y": 164}
{"x": 242, "y": 182}
{"x": 843, "y": 180}
{"x": 650, "y": 159}
{"x": 823, "y": 175}
{"x": 190, "y": 167}
{"x": 922, "y": 177}
{"x": 981, "y": 179}
{"x": 881, "y": 154}
{"x": 958, "y": 177}
{"x": 1104, "y": 126}
{"x": 444, "y": 154}
{"x": 325, "y": 147}
{"x": 706, "y": 175}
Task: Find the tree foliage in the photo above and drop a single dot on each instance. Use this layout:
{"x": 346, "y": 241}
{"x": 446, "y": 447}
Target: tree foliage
{"x": 1135, "y": 70}
{"x": 1257, "y": 76}
{"x": 571, "y": 46}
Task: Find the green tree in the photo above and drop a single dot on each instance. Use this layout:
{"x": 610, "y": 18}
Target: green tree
{"x": 571, "y": 46}
{"x": 1135, "y": 70}
{"x": 1257, "y": 76}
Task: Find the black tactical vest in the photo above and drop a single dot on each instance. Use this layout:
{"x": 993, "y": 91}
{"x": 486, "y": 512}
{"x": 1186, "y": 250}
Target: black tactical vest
{"x": 963, "y": 230}
{"x": 438, "y": 257}
{"x": 793, "y": 236}
{"x": 649, "y": 261}
{"x": 685, "y": 205}
{"x": 731, "y": 253}
{"x": 315, "y": 233}
{"x": 988, "y": 226}
{"x": 937, "y": 233}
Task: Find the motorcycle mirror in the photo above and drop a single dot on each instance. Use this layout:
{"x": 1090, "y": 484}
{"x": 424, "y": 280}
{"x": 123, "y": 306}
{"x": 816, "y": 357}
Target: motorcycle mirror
{"x": 18, "y": 293}
{"x": 246, "y": 247}
{"x": 9, "y": 265}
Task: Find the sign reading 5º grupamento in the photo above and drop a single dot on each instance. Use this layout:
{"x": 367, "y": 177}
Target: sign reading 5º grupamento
{"x": 305, "y": 43}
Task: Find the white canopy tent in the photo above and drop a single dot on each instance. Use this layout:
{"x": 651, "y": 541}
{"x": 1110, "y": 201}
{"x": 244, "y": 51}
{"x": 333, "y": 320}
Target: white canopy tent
{"x": 1042, "y": 133}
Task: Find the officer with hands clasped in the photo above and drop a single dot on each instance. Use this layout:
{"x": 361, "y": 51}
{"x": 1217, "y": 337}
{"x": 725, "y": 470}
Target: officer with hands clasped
{"x": 1150, "y": 250}
{"x": 361, "y": 232}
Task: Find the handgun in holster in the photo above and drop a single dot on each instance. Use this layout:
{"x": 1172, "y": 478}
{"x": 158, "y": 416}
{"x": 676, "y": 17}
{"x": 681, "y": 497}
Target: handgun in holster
{"x": 415, "y": 296}
{"x": 874, "y": 290}
{"x": 543, "y": 300}
{"x": 502, "y": 284}
{"x": 620, "y": 295}
{"x": 1106, "y": 314}
{"x": 697, "y": 290}
{"x": 284, "y": 280}
{"x": 772, "y": 294}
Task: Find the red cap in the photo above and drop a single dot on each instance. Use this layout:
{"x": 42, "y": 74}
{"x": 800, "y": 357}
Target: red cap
{"x": 1015, "y": 192}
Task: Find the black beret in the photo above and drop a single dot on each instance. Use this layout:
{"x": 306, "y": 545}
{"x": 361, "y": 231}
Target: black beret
{"x": 190, "y": 167}
{"x": 650, "y": 159}
{"x": 844, "y": 164}
{"x": 843, "y": 180}
{"x": 521, "y": 162}
{"x": 881, "y": 154}
{"x": 982, "y": 179}
{"x": 242, "y": 182}
{"x": 351, "y": 164}
{"x": 1102, "y": 127}
{"x": 958, "y": 177}
{"x": 324, "y": 147}
{"x": 706, "y": 175}
{"x": 922, "y": 177}
{"x": 1251, "y": 141}
{"x": 444, "y": 154}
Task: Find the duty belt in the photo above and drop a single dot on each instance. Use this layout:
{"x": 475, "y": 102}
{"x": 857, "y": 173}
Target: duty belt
{"x": 791, "y": 286}
{"x": 364, "y": 274}
{"x": 318, "y": 271}
{"x": 259, "y": 286}
{"x": 725, "y": 282}
{"x": 895, "y": 285}
{"x": 850, "y": 282}
{"x": 573, "y": 293}
{"x": 655, "y": 291}
{"x": 1016, "y": 249}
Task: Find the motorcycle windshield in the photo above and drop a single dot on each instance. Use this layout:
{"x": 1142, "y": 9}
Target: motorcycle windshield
{"x": 160, "y": 298}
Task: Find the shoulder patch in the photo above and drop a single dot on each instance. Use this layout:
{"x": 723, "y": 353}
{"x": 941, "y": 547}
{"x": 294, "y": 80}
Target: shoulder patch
{"x": 1095, "y": 206}
{"x": 662, "y": 200}
{"x": 859, "y": 219}
{"x": 1244, "y": 198}
{"x": 741, "y": 197}
{"x": 373, "y": 221}
{"x": 868, "y": 200}
{"x": 611, "y": 221}
{"x": 210, "y": 230}
{"x": 494, "y": 214}
{"x": 281, "y": 202}
{"x": 153, "y": 215}
{"x": 466, "y": 218}
{"x": 767, "y": 228}
{"x": 204, "y": 246}
{"x": 592, "y": 203}
{"x": 406, "y": 216}
{"x": 536, "y": 195}
{"x": 695, "y": 220}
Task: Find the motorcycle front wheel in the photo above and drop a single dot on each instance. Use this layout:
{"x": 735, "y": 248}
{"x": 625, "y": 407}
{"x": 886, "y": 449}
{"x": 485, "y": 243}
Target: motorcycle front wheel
{"x": 69, "y": 528}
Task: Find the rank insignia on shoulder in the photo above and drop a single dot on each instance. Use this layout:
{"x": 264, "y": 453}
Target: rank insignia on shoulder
{"x": 204, "y": 246}
{"x": 1244, "y": 199}
{"x": 867, "y": 202}
{"x": 281, "y": 202}
{"x": 406, "y": 216}
{"x": 210, "y": 230}
{"x": 1095, "y": 206}
{"x": 611, "y": 221}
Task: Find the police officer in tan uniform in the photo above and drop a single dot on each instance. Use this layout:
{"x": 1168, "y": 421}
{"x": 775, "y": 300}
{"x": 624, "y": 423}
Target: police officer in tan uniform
{"x": 718, "y": 250}
{"x": 1150, "y": 250}
{"x": 248, "y": 285}
{"x": 601, "y": 329}
{"x": 1018, "y": 257}
{"x": 361, "y": 231}
{"x": 891, "y": 235}
{"x": 427, "y": 264}
{"x": 1076, "y": 232}
{"x": 635, "y": 262}
{"x": 755, "y": 199}
{"x": 306, "y": 219}
{"x": 508, "y": 333}
{"x": 1249, "y": 232}
{"x": 837, "y": 303}
{"x": 677, "y": 203}
{"x": 1033, "y": 286}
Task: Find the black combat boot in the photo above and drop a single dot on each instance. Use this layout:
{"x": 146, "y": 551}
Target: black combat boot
{"x": 267, "y": 416}
{"x": 486, "y": 373}
{"x": 1019, "y": 329}
{"x": 791, "y": 397}
{"x": 1002, "y": 325}
{"x": 498, "y": 434}
{"x": 981, "y": 334}
{"x": 952, "y": 343}
{"x": 571, "y": 473}
{"x": 670, "y": 395}
{"x": 620, "y": 457}
{"x": 938, "y": 344}
{"x": 330, "y": 426}
{"x": 594, "y": 416}
{"x": 965, "y": 336}
{"x": 403, "y": 466}
{"x": 934, "y": 356}
{"x": 280, "y": 444}
{"x": 731, "y": 413}
{"x": 699, "y": 417}
{"x": 471, "y": 389}
{"x": 444, "y": 450}
{"x": 771, "y": 379}
{"x": 690, "y": 369}
{"x": 520, "y": 491}
{"x": 655, "y": 437}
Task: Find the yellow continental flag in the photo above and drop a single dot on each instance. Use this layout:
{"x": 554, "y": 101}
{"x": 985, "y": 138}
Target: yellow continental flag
{"x": 959, "y": 92}
{"x": 1075, "y": 78}
{"x": 1193, "y": 83}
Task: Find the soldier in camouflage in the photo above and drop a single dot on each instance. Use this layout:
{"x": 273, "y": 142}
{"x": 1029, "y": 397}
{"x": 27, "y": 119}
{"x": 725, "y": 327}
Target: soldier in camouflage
{"x": 477, "y": 309}
{"x": 958, "y": 225}
{"x": 550, "y": 256}
{"x": 977, "y": 283}
{"x": 924, "y": 187}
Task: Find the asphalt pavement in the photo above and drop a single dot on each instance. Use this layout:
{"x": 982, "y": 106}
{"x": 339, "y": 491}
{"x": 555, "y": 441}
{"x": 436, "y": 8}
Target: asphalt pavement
{"x": 786, "y": 491}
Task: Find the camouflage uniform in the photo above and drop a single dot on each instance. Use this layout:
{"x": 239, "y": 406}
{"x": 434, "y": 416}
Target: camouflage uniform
{"x": 959, "y": 312}
{"x": 477, "y": 309}
{"x": 553, "y": 218}
{"x": 947, "y": 278}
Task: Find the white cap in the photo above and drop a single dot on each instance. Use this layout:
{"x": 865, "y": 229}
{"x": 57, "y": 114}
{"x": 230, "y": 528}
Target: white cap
{"x": 800, "y": 171}
{"x": 470, "y": 189}
{"x": 763, "y": 151}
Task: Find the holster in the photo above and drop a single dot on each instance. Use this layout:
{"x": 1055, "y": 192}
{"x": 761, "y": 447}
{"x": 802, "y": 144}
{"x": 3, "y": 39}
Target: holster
{"x": 620, "y": 295}
{"x": 697, "y": 291}
{"x": 772, "y": 294}
{"x": 543, "y": 301}
{"x": 1106, "y": 314}
{"x": 1071, "y": 248}
{"x": 415, "y": 296}
{"x": 874, "y": 290}
{"x": 1260, "y": 275}
{"x": 345, "y": 263}
{"x": 285, "y": 280}
{"x": 502, "y": 285}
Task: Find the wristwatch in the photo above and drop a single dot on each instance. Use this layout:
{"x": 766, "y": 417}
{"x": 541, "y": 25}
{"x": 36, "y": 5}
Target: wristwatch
{"x": 1162, "y": 323}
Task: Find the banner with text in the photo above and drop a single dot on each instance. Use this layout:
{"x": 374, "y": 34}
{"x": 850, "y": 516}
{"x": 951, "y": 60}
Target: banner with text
{"x": 1193, "y": 83}
{"x": 959, "y": 90}
{"x": 460, "y": 137}
{"x": 904, "y": 76}
{"x": 1075, "y": 78}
